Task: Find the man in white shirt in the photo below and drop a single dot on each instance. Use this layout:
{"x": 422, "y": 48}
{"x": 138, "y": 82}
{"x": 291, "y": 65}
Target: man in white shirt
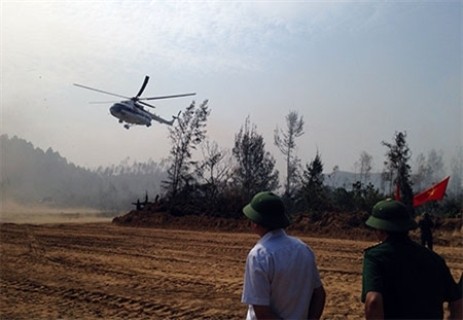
{"x": 281, "y": 279}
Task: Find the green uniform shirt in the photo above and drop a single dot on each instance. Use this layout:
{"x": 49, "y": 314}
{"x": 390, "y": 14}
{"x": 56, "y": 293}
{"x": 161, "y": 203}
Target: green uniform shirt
{"x": 413, "y": 280}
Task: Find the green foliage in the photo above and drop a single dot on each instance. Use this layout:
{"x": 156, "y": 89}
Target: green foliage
{"x": 365, "y": 196}
{"x": 313, "y": 194}
{"x": 255, "y": 170}
{"x": 398, "y": 168}
{"x": 342, "y": 200}
{"x": 450, "y": 207}
{"x": 361, "y": 198}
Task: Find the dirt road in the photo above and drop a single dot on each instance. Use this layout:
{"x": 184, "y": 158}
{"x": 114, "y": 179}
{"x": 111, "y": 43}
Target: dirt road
{"x": 99, "y": 270}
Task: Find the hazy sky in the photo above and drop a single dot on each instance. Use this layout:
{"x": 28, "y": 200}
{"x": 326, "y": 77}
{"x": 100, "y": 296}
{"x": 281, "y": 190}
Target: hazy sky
{"x": 356, "y": 71}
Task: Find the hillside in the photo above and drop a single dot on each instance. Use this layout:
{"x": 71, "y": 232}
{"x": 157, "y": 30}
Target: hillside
{"x": 32, "y": 176}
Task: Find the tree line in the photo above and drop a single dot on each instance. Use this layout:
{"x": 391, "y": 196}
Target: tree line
{"x": 220, "y": 183}
{"x": 200, "y": 177}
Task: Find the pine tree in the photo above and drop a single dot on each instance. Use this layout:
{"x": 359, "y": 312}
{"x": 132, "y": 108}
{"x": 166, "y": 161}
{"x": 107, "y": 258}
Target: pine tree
{"x": 255, "y": 169}
{"x": 313, "y": 192}
{"x": 398, "y": 157}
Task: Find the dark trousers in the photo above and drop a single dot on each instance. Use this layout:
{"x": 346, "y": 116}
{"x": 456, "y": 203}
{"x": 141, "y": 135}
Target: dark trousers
{"x": 426, "y": 241}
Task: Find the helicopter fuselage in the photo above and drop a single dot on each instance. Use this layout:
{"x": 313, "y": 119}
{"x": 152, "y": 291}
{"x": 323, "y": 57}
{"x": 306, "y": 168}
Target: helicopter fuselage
{"x": 127, "y": 111}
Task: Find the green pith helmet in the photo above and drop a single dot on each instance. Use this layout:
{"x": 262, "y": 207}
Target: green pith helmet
{"x": 392, "y": 216}
{"x": 268, "y": 210}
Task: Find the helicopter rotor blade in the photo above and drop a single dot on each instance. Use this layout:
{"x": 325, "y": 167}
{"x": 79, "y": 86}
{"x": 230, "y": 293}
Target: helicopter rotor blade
{"x": 146, "y": 104}
{"x": 101, "y": 91}
{"x": 145, "y": 82}
{"x": 168, "y": 97}
{"x": 102, "y": 102}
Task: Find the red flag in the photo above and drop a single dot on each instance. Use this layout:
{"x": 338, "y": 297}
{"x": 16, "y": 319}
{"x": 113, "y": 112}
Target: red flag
{"x": 436, "y": 192}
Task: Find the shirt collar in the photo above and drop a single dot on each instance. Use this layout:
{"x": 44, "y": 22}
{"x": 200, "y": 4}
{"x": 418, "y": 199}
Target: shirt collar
{"x": 399, "y": 237}
{"x": 272, "y": 234}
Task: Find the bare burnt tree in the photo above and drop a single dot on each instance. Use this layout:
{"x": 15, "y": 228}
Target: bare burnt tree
{"x": 213, "y": 171}
{"x": 185, "y": 135}
{"x": 286, "y": 143}
{"x": 364, "y": 166}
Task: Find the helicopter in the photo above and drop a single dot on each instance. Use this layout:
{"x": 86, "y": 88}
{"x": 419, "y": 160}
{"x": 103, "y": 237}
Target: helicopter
{"x": 132, "y": 112}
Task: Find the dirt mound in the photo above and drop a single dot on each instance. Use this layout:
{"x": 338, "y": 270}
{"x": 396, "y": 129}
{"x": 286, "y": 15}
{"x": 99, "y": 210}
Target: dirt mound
{"x": 191, "y": 222}
{"x": 334, "y": 225}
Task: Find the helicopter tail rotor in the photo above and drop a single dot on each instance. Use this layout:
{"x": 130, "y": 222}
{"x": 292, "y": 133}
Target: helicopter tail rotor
{"x": 178, "y": 115}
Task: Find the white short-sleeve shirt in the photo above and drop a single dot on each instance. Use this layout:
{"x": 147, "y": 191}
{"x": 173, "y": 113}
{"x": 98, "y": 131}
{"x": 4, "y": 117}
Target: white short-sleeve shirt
{"x": 280, "y": 272}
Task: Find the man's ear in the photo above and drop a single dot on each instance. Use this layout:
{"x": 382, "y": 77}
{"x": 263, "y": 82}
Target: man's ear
{"x": 258, "y": 229}
{"x": 254, "y": 226}
{"x": 381, "y": 234}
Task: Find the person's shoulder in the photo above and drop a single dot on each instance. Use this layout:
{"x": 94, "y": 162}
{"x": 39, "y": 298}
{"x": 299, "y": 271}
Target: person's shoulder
{"x": 431, "y": 254}
{"x": 296, "y": 240}
{"x": 374, "y": 247}
{"x": 424, "y": 253}
{"x": 258, "y": 250}
{"x": 378, "y": 249}
{"x": 298, "y": 243}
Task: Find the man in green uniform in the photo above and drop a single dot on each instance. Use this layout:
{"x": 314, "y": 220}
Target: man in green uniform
{"x": 402, "y": 279}
{"x": 426, "y": 226}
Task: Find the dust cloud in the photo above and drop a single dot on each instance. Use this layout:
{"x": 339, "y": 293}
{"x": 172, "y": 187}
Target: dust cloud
{"x": 11, "y": 212}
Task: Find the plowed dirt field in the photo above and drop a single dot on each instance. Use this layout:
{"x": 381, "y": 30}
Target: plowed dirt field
{"x": 100, "y": 270}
